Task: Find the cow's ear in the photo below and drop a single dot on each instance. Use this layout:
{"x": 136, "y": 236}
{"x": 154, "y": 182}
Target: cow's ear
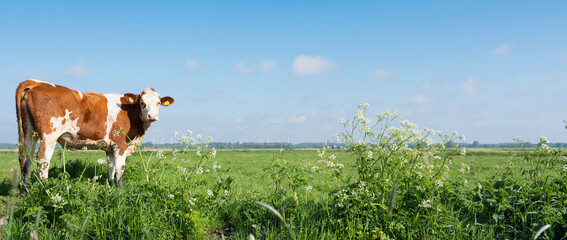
{"x": 129, "y": 98}
{"x": 166, "y": 101}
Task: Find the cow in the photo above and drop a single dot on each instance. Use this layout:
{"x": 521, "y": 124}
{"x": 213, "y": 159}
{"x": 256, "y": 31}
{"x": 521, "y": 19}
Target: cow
{"x": 77, "y": 120}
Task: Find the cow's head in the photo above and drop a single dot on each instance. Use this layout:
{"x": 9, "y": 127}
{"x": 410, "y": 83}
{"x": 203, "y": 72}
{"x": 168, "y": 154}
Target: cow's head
{"x": 148, "y": 102}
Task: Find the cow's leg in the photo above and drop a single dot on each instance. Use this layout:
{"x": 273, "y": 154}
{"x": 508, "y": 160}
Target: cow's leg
{"x": 111, "y": 167}
{"x": 120, "y": 166}
{"x": 44, "y": 154}
{"x": 27, "y": 148}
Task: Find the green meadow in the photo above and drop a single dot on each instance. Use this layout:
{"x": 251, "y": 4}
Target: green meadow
{"x": 219, "y": 201}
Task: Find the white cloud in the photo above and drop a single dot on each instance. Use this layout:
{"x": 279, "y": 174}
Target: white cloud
{"x": 265, "y": 67}
{"x": 470, "y": 87}
{"x": 426, "y": 86}
{"x": 192, "y": 64}
{"x": 297, "y": 119}
{"x": 239, "y": 67}
{"x": 421, "y": 99}
{"x": 502, "y": 49}
{"x": 75, "y": 71}
{"x": 382, "y": 74}
{"x": 311, "y": 65}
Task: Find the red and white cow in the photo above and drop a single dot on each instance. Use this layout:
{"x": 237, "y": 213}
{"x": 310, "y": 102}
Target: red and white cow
{"x": 110, "y": 122}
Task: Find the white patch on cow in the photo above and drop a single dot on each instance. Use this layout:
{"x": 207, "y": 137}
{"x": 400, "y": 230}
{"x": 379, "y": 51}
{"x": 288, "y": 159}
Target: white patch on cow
{"x": 64, "y": 124}
{"x": 39, "y": 81}
{"x": 80, "y": 94}
{"x": 113, "y": 105}
{"x": 132, "y": 146}
{"x": 61, "y": 125}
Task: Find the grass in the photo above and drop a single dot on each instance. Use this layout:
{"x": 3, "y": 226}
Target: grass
{"x": 172, "y": 206}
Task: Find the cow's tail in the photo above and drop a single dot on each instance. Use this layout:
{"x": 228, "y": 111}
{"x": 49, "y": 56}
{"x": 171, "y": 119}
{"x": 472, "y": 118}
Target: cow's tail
{"x": 21, "y": 108}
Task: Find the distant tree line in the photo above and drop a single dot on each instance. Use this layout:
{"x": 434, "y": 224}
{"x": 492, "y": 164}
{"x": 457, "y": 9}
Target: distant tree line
{"x": 249, "y": 145}
{"x": 315, "y": 145}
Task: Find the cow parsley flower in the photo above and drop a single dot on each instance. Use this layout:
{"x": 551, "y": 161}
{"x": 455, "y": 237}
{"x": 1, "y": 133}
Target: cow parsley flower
{"x": 101, "y": 161}
{"x": 199, "y": 170}
{"x": 340, "y": 166}
{"x": 314, "y": 168}
{"x": 308, "y": 188}
{"x": 209, "y": 192}
{"x": 215, "y": 166}
{"x": 426, "y": 203}
{"x": 192, "y": 201}
{"x": 159, "y": 155}
{"x": 171, "y": 196}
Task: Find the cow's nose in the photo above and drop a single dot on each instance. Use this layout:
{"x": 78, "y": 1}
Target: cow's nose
{"x": 152, "y": 117}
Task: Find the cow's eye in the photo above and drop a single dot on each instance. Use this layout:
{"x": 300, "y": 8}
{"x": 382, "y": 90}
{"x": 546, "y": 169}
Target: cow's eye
{"x": 143, "y": 104}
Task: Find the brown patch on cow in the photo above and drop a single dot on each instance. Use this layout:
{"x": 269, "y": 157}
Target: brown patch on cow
{"x": 45, "y": 102}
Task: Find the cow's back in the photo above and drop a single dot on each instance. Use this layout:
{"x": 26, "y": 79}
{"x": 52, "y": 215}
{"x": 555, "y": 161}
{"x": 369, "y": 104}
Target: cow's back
{"x": 51, "y": 106}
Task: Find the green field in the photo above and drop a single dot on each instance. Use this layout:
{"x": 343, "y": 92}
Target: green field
{"x": 171, "y": 198}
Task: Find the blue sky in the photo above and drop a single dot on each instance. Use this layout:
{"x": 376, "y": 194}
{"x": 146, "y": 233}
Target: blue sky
{"x": 288, "y": 70}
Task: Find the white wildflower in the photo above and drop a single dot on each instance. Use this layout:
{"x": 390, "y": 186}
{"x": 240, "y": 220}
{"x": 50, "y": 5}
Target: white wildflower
{"x": 176, "y": 135}
{"x": 226, "y": 192}
{"x": 340, "y": 166}
{"x": 479, "y": 186}
{"x": 426, "y": 203}
{"x": 198, "y": 153}
{"x": 171, "y": 196}
{"x": 189, "y": 133}
{"x": 209, "y": 139}
{"x": 332, "y": 157}
{"x": 101, "y": 161}
{"x": 199, "y": 170}
{"x": 159, "y": 154}
{"x": 215, "y": 166}
{"x": 210, "y": 192}
{"x": 360, "y": 115}
{"x": 214, "y": 152}
{"x": 56, "y": 198}
{"x": 543, "y": 140}
{"x": 192, "y": 201}
{"x": 463, "y": 151}
{"x": 466, "y": 182}
{"x": 369, "y": 154}
{"x": 420, "y": 188}
{"x": 439, "y": 183}
{"x": 564, "y": 168}
{"x": 308, "y": 188}
{"x": 314, "y": 168}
